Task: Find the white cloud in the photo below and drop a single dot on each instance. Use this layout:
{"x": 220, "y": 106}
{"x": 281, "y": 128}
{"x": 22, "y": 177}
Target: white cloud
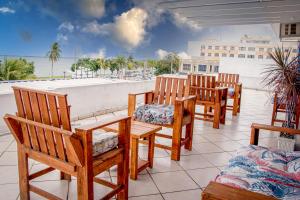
{"x": 183, "y": 22}
{"x": 6, "y": 10}
{"x": 61, "y": 38}
{"x": 129, "y": 28}
{"x": 162, "y": 53}
{"x": 66, "y": 26}
{"x": 93, "y": 8}
{"x": 100, "y": 54}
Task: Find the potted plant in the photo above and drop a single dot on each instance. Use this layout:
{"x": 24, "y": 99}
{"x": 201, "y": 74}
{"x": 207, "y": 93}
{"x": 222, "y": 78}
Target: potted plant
{"x": 283, "y": 79}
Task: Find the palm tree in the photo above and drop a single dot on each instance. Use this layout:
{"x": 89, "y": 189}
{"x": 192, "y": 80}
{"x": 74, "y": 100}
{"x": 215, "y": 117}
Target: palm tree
{"x": 54, "y": 55}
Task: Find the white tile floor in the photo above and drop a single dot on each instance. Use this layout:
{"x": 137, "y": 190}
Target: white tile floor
{"x": 170, "y": 180}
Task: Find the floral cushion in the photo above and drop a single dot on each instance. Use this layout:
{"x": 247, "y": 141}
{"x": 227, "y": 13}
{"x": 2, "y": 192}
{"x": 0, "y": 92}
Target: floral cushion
{"x": 231, "y": 91}
{"x": 265, "y": 171}
{"x": 155, "y": 113}
{"x": 104, "y": 141}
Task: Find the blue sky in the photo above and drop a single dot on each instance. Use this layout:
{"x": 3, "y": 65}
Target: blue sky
{"x": 103, "y": 28}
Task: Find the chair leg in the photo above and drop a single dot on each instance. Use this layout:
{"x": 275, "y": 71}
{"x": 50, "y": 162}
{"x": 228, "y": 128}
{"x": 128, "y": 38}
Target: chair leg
{"x": 176, "y": 142}
{"x": 85, "y": 185}
{"x": 123, "y": 180}
{"x": 23, "y": 174}
{"x": 217, "y": 113}
{"x": 223, "y": 115}
{"x": 189, "y": 134}
{"x": 235, "y": 106}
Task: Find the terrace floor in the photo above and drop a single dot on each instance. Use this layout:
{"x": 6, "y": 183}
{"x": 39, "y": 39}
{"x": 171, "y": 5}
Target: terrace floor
{"x": 185, "y": 179}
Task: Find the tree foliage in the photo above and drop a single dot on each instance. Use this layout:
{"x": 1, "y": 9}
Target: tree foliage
{"x": 54, "y": 55}
{"x": 164, "y": 66}
{"x": 16, "y": 69}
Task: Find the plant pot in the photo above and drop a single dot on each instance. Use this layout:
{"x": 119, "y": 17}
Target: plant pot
{"x": 286, "y": 144}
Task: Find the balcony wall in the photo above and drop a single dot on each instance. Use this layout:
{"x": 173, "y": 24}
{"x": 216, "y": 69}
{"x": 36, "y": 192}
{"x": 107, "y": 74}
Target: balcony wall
{"x": 86, "y": 100}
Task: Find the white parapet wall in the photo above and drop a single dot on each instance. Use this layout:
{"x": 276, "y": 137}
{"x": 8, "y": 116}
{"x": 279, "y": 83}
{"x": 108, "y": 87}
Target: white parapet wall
{"x": 87, "y": 97}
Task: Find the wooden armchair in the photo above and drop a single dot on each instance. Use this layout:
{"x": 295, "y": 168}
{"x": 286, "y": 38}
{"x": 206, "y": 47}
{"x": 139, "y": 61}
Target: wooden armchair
{"x": 43, "y": 133}
{"x": 280, "y": 107}
{"x": 171, "y": 91}
{"x": 219, "y": 191}
{"x": 212, "y": 98}
{"x": 234, "y": 90}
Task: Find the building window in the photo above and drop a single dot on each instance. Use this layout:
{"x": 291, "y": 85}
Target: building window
{"x": 217, "y": 47}
{"x": 294, "y": 50}
{"x": 250, "y": 56}
{"x": 242, "y": 48}
{"x": 202, "y": 54}
{"x": 286, "y": 29}
{"x": 293, "y": 29}
{"x": 286, "y": 50}
{"x": 268, "y": 57}
{"x": 216, "y": 54}
{"x": 232, "y": 48}
{"x": 201, "y": 68}
{"x": 186, "y": 67}
{"x": 224, "y": 47}
{"x": 209, "y": 47}
{"x": 202, "y": 46}
{"x": 231, "y": 55}
{"x": 261, "y": 49}
{"x": 260, "y": 56}
{"x": 251, "y": 48}
{"x": 209, "y": 54}
{"x": 269, "y": 50}
{"x": 216, "y": 69}
{"x": 241, "y": 56}
{"x": 224, "y": 55}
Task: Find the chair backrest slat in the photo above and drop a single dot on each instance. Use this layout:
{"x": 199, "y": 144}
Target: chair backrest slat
{"x": 201, "y": 86}
{"x": 227, "y": 80}
{"x": 167, "y": 89}
{"x": 48, "y": 108}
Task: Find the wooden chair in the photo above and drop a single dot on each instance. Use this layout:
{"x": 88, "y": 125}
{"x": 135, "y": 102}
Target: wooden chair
{"x": 234, "y": 90}
{"x": 212, "y": 98}
{"x": 218, "y": 191}
{"x": 43, "y": 133}
{"x": 171, "y": 91}
{"x": 280, "y": 107}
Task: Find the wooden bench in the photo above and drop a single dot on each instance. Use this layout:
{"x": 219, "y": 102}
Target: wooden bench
{"x": 171, "y": 91}
{"x": 42, "y": 131}
{"x": 213, "y": 99}
{"x": 232, "y": 82}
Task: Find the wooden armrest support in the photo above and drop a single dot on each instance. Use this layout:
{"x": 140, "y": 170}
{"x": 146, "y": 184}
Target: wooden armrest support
{"x": 91, "y": 127}
{"x": 188, "y": 98}
{"x": 218, "y": 191}
{"x": 140, "y": 93}
{"x": 256, "y": 127}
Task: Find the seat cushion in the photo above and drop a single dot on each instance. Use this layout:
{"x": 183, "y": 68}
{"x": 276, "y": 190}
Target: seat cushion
{"x": 262, "y": 170}
{"x": 104, "y": 141}
{"x": 231, "y": 91}
{"x": 155, "y": 113}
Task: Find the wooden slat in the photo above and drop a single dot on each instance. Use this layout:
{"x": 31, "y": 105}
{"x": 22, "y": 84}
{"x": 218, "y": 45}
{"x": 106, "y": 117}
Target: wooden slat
{"x": 37, "y": 118}
{"x": 168, "y": 92}
{"x": 174, "y": 90}
{"x": 157, "y": 87}
{"x": 28, "y": 113}
{"x": 55, "y": 122}
{"x": 162, "y": 90}
{"x": 180, "y": 88}
{"x": 46, "y": 120}
{"x": 43, "y": 193}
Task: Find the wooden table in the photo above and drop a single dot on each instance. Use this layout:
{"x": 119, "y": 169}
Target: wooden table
{"x": 139, "y": 130}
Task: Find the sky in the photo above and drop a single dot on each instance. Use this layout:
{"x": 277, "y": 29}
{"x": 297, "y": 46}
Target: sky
{"x": 104, "y": 28}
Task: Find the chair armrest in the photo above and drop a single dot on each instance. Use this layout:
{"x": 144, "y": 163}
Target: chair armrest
{"x": 188, "y": 98}
{"x": 98, "y": 125}
{"x": 132, "y": 100}
{"x": 218, "y": 191}
{"x": 256, "y": 127}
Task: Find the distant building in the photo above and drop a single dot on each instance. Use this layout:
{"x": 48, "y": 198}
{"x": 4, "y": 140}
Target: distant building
{"x": 209, "y": 54}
